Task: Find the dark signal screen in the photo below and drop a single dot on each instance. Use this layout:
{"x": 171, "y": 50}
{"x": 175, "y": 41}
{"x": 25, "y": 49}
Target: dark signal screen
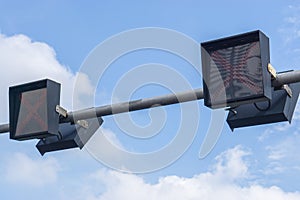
{"x": 233, "y": 73}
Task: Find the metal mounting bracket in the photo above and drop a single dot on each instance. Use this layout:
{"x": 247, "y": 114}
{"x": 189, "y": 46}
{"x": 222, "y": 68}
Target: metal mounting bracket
{"x": 287, "y": 89}
{"x": 272, "y": 71}
{"x": 60, "y": 110}
{"x": 232, "y": 110}
{"x": 83, "y": 123}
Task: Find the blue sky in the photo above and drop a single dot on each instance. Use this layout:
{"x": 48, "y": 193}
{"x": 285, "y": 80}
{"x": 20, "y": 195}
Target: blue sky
{"x": 53, "y": 38}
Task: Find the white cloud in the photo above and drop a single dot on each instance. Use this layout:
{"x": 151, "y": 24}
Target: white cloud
{"x": 22, "y": 170}
{"x": 230, "y": 164}
{"x": 286, "y": 148}
{"x": 23, "y": 60}
{"x": 219, "y": 183}
{"x": 274, "y": 168}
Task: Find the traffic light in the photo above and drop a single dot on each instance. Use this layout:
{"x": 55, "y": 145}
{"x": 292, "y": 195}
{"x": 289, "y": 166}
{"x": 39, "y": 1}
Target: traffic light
{"x": 32, "y": 110}
{"x": 235, "y": 70}
{"x": 70, "y": 136}
{"x": 280, "y": 108}
{"x": 34, "y": 113}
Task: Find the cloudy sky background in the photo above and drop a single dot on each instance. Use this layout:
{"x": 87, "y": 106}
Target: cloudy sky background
{"x": 52, "y": 39}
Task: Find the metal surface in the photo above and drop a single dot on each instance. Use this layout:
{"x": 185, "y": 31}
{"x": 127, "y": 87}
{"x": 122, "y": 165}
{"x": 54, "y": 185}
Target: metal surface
{"x": 287, "y": 89}
{"x": 272, "y": 71}
{"x": 282, "y": 78}
{"x": 280, "y": 108}
{"x": 60, "y": 110}
{"x": 72, "y": 136}
{"x": 83, "y": 123}
{"x": 4, "y": 128}
{"x": 134, "y": 105}
{"x": 286, "y": 78}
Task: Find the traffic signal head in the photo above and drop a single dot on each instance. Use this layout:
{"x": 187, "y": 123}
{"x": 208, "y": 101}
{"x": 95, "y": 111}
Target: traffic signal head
{"x": 280, "y": 108}
{"x": 70, "y": 136}
{"x": 32, "y": 110}
{"x": 235, "y": 70}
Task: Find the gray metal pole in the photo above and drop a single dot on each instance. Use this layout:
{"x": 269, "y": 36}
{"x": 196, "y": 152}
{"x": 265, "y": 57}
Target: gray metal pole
{"x": 286, "y": 78}
{"x": 134, "y": 105}
{"x": 4, "y": 128}
{"x": 127, "y": 106}
{"x": 282, "y": 78}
